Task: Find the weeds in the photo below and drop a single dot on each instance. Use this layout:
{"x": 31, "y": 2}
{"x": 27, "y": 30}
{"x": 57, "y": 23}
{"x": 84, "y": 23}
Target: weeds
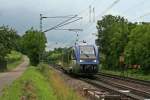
{"x": 61, "y": 90}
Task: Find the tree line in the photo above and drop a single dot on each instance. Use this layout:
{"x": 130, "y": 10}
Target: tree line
{"x": 118, "y": 37}
{"x": 32, "y": 44}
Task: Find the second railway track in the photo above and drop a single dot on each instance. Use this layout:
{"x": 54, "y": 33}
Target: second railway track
{"x": 133, "y": 80}
{"x": 136, "y": 89}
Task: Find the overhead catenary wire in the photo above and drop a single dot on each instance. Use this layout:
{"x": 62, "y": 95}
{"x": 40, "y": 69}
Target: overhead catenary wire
{"x": 62, "y": 24}
{"x": 69, "y": 29}
{"x": 108, "y": 8}
{"x": 69, "y": 16}
{"x": 83, "y": 11}
{"x": 67, "y": 22}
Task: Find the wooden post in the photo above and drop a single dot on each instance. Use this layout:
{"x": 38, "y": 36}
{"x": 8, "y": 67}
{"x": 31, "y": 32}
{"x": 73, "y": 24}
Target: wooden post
{"x": 121, "y": 60}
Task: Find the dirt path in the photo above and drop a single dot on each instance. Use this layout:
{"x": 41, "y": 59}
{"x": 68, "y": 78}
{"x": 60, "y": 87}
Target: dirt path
{"x": 8, "y": 77}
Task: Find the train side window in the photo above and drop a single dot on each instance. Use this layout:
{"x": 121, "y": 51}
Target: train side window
{"x": 73, "y": 57}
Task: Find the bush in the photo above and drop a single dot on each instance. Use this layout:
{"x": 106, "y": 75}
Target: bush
{"x": 44, "y": 69}
{"x": 13, "y": 56}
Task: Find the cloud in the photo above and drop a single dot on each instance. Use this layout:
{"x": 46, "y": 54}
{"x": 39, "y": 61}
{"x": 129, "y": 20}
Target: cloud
{"x": 23, "y": 14}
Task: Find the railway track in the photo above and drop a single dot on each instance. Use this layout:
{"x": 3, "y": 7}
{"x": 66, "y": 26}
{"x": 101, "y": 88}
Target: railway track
{"x": 132, "y": 88}
{"x": 135, "y": 93}
{"x": 129, "y": 88}
{"x": 126, "y": 87}
{"x": 110, "y": 89}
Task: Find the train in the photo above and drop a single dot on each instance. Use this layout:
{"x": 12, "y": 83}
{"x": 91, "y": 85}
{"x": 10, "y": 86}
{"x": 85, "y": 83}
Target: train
{"x": 81, "y": 59}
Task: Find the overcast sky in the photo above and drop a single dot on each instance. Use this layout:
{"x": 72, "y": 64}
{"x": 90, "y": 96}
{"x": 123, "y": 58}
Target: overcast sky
{"x": 23, "y": 14}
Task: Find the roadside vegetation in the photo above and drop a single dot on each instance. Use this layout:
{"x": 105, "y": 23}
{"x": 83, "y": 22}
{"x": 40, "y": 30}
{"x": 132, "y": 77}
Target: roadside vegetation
{"x": 8, "y": 42}
{"x": 14, "y": 59}
{"x": 60, "y": 88}
{"x": 39, "y": 83}
{"x": 32, "y": 85}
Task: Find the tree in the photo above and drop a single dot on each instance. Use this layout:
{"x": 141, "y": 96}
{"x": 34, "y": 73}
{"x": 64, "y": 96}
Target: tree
{"x": 33, "y": 44}
{"x": 8, "y": 38}
{"x": 137, "y": 50}
{"x": 111, "y": 39}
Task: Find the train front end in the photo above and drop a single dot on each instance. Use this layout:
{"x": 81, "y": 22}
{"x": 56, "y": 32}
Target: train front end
{"x": 87, "y": 59}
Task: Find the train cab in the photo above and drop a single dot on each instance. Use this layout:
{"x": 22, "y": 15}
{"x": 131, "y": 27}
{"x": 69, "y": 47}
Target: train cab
{"x": 85, "y": 59}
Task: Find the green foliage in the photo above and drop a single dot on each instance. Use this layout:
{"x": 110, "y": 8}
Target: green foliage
{"x": 13, "y": 56}
{"x": 60, "y": 56}
{"x": 33, "y": 44}
{"x": 128, "y": 73}
{"x": 55, "y": 56}
{"x": 112, "y": 38}
{"x": 8, "y": 42}
{"x": 66, "y": 56}
{"x": 116, "y": 37}
{"x": 137, "y": 50}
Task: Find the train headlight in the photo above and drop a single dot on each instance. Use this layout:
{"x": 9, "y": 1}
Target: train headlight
{"x": 94, "y": 60}
{"x": 81, "y": 60}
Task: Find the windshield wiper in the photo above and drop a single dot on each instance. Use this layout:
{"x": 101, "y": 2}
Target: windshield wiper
{"x": 85, "y": 54}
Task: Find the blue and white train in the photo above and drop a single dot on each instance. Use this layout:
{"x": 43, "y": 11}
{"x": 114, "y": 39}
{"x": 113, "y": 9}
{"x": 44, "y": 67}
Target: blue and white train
{"x": 81, "y": 60}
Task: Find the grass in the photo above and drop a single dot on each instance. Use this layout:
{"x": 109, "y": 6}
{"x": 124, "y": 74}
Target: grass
{"x": 14, "y": 64}
{"x": 60, "y": 88}
{"x": 62, "y": 91}
{"x": 129, "y": 73}
{"x": 31, "y": 86}
{"x": 39, "y": 83}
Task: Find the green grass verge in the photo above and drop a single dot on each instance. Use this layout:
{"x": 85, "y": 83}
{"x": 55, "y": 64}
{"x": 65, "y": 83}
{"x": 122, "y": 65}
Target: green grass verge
{"x": 31, "y": 86}
{"x": 60, "y": 88}
{"x": 39, "y": 83}
{"x": 130, "y": 73}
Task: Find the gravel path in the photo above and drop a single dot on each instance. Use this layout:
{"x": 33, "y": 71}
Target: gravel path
{"x": 7, "y": 78}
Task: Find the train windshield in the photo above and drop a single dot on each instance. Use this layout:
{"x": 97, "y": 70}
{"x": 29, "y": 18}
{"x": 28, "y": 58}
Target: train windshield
{"x": 87, "y": 52}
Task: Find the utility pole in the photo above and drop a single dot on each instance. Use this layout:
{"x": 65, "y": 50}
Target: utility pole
{"x": 40, "y": 35}
{"x": 93, "y": 14}
{"x": 41, "y": 22}
{"x": 90, "y": 11}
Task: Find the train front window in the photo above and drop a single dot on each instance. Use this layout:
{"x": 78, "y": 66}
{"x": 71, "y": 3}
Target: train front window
{"x": 87, "y": 52}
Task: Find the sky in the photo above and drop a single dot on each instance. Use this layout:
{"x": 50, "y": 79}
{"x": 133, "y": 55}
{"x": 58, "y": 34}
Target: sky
{"x": 24, "y": 14}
